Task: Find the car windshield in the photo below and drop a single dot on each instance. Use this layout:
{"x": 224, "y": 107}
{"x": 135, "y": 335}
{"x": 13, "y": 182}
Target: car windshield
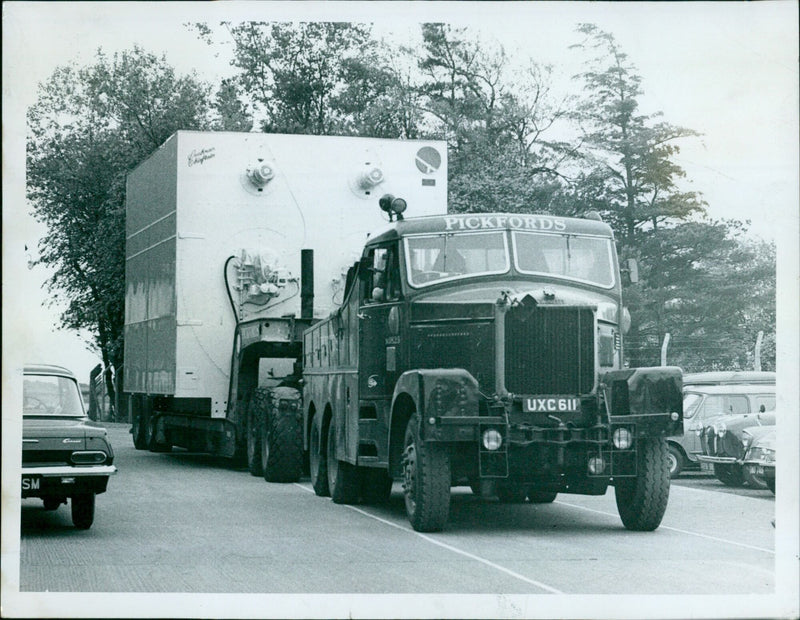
{"x": 435, "y": 258}
{"x": 690, "y": 403}
{"x": 44, "y": 395}
{"x": 583, "y": 258}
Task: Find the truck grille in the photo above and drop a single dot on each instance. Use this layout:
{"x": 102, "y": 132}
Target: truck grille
{"x": 549, "y": 350}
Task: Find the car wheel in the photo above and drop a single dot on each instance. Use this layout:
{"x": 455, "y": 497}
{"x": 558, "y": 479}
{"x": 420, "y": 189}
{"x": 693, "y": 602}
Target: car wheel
{"x": 770, "y": 484}
{"x": 753, "y": 481}
{"x": 675, "y": 460}
{"x": 731, "y": 475}
{"x": 642, "y": 501}
{"x": 83, "y": 510}
{"x": 52, "y": 503}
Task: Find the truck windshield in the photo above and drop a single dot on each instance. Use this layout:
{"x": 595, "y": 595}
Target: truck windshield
{"x": 583, "y": 258}
{"x": 432, "y": 259}
{"x": 50, "y": 395}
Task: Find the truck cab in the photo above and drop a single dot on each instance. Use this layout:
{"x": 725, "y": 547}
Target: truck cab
{"x": 496, "y": 337}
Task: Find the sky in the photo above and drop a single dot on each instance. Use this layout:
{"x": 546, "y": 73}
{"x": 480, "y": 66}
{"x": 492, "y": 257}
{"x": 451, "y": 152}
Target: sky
{"x": 726, "y": 70}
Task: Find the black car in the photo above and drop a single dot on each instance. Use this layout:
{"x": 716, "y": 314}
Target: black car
{"x": 64, "y": 455}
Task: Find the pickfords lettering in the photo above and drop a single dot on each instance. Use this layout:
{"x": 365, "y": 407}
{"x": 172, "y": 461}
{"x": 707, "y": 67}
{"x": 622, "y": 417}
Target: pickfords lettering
{"x": 520, "y": 222}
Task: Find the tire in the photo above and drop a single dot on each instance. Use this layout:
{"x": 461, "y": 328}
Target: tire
{"x": 752, "y": 480}
{"x": 317, "y": 460}
{"x": 343, "y": 478}
{"x": 52, "y": 503}
{"x": 642, "y": 501}
{"x": 731, "y": 475}
{"x": 426, "y": 480}
{"x": 156, "y": 446}
{"x": 376, "y": 486}
{"x": 510, "y": 493}
{"x": 675, "y": 460}
{"x": 542, "y": 497}
{"x": 770, "y": 482}
{"x": 138, "y": 423}
{"x": 83, "y": 510}
{"x": 256, "y": 414}
{"x": 282, "y": 443}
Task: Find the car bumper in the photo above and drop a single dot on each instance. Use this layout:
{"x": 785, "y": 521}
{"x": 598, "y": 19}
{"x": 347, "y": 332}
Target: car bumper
{"x": 730, "y": 460}
{"x": 65, "y": 481}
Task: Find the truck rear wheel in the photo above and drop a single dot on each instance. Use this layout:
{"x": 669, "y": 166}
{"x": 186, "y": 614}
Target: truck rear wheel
{"x": 257, "y": 412}
{"x": 282, "y": 443}
{"x": 426, "y": 480}
{"x": 343, "y": 477}
{"x": 642, "y": 501}
{"x": 317, "y": 461}
{"x": 82, "y": 510}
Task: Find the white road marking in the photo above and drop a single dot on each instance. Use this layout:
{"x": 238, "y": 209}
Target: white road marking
{"x": 439, "y": 543}
{"x": 674, "y": 529}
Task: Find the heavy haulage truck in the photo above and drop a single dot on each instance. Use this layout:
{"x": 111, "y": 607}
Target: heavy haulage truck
{"x": 455, "y": 349}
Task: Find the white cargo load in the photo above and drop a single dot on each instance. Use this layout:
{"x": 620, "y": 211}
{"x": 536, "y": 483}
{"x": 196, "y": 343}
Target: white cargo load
{"x": 252, "y": 202}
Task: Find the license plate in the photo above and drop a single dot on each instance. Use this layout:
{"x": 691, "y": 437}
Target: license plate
{"x": 551, "y": 404}
{"x": 31, "y": 483}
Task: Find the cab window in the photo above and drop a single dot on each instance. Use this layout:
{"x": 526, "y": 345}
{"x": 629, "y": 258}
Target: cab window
{"x": 382, "y": 280}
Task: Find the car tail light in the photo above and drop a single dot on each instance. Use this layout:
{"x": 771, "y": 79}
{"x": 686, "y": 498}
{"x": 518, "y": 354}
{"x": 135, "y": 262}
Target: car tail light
{"x": 88, "y": 457}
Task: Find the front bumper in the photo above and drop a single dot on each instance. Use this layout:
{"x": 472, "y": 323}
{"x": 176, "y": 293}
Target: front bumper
{"x": 729, "y": 460}
{"x": 64, "y": 480}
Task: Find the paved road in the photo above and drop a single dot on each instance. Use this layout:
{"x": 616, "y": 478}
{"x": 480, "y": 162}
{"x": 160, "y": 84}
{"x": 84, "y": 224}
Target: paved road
{"x": 184, "y": 522}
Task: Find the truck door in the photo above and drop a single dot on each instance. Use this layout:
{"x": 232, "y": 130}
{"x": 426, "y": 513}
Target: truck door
{"x": 379, "y": 320}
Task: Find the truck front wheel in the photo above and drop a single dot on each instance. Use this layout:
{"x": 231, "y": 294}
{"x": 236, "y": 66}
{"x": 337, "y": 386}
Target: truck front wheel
{"x": 642, "y": 501}
{"x": 282, "y": 442}
{"x": 426, "y": 480}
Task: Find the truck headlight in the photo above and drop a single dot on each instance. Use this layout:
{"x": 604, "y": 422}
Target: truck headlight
{"x": 492, "y": 439}
{"x": 596, "y": 465}
{"x": 622, "y": 438}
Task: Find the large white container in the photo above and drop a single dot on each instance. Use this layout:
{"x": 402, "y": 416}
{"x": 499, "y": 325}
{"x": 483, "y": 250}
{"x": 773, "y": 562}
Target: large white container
{"x": 203, "y": 197}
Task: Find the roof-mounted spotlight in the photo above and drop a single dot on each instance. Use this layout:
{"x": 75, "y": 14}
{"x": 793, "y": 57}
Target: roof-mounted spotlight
{"x": 393, "y": 206}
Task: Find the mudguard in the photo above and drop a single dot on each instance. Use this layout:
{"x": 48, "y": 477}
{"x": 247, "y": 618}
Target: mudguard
{"x": 651, "y": 398}
{"x": 448, "y": 395}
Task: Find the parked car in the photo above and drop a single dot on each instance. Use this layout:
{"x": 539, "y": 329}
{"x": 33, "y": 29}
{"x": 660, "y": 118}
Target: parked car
{"x": 707, "y": 395}
{"x": 63, "y": 454}
{"x": 759, "y": 459}
{"x": 725, "y": 440}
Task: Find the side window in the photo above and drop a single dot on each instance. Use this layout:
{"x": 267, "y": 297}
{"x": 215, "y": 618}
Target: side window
{"x": 383, "y": 282}
{"x": 725, "y": 403}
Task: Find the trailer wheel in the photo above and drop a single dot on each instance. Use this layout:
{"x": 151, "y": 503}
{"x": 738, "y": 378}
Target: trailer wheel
{"x": 509, "y": 493}
{"x": 257, "y": 411}
{"x": 317, "y": 461}
{"x": 82, "y": 510}
{"x": 642, "y": 501}
{"x": 343, "y": 477}
{"x": 731, "y": 475}
{"x": 426, "y": 480}
{"x": 282, "y": 443}
{"x": 376, "y": 485}
{"x": 139, "y": 421}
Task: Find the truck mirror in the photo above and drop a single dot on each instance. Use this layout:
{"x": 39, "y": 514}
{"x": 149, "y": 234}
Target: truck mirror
{"x": 632, "y": 269}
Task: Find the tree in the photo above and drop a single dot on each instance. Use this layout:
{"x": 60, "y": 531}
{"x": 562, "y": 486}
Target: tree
{"x": 632, "y": 177}
{"x": 711, "y": 289}
{"x": 494, "y": 121}
{"x": 87, "y": 129}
